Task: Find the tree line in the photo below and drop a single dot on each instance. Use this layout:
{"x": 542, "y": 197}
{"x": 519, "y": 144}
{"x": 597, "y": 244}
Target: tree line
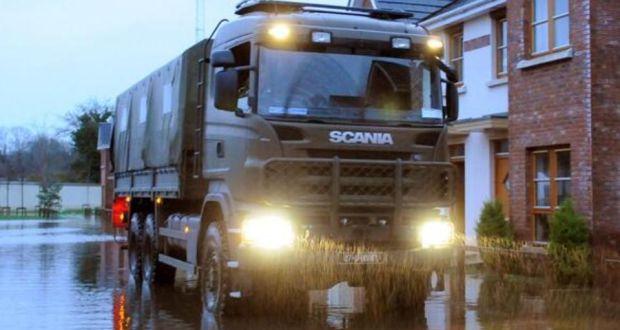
{"x": 67, "y": 155}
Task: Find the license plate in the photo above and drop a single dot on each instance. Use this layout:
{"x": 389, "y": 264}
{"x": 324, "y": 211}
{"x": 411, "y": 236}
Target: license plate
{"x": 363, "y": 258}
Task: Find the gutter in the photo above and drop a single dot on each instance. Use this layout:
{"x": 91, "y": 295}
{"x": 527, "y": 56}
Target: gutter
{"x": 461, "y": 13}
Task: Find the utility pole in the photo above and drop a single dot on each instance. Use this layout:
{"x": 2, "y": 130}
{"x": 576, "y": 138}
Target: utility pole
{"x": 200, "y": 20}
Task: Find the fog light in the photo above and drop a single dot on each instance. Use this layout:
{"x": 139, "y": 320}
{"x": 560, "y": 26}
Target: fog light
{"x": 401, "y": 43}
{"x": 321, "y": 37}
{"x": 436, "y": 234}
{"x": 270, "y": 231}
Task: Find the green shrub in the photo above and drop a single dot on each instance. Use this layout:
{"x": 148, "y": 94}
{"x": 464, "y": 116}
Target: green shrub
{"x": 567, "y": 227}
{"x": 569, "y": 249}
{"x": 49, "y": 198}
{"x": 493, "y": 224}
{"x": 498, "y": 250}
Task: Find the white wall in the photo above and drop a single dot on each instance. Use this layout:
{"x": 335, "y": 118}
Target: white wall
{"x": 478, "y": 180}
{"x": 73, "y": 195}
{"x": 481, "y": 95}
{"x": 477, "y": 98}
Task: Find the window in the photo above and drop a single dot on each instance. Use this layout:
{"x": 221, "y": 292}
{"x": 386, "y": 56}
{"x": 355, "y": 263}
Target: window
{"x": 550, "y": 25}
{"x": 550, "y": 187}
{"x": 501, "y": 47}
{"x": 456, "y": 53}
{"x": 502, "y": 147}
{"x": 242, "y": 59}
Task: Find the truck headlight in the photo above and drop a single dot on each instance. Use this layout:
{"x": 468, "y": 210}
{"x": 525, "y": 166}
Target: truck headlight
{"x": 270, "y": 231}
{"x": 434, "y": 43}
{"x": 436, "y": 233}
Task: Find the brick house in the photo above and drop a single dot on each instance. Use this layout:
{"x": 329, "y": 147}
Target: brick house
{"x": 540, "y": 108}
{"x": 564, "y": 124}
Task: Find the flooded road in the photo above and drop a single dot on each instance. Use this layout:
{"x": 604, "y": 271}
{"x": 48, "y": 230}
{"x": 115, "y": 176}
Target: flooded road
{"x": 71, "y": 274}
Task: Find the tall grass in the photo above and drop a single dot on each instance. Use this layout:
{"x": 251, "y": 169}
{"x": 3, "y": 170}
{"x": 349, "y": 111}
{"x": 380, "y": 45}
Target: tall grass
{"x": 390, "y": 286}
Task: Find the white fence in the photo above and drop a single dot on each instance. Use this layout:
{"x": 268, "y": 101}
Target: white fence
{"x": 74, "y": 195}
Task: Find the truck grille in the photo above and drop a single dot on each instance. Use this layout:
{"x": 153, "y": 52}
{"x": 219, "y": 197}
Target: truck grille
{"x": 356, "y": 182}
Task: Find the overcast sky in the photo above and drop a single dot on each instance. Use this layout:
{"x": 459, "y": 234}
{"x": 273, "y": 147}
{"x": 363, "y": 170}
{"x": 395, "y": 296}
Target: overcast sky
{"x": 55, "y": 54}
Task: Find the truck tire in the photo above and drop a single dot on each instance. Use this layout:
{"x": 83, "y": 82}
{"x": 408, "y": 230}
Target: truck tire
{"x": 213, "y": 275}
{"x": 134, "y": 245}
{"x": 153, "y": 270}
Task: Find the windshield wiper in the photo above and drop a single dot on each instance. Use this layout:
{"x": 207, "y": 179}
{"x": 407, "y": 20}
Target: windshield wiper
{"x": 348, "y": 101}
{"x": 301, "y": 119}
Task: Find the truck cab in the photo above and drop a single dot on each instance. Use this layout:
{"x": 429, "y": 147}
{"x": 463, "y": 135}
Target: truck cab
{"x": 338, "y": 119}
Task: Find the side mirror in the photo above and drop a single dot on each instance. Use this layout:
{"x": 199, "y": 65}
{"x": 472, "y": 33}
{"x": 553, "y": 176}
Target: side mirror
{"x": 451, "y": 110}
{"x": 226, "y": 84}
{"x": 222, "y": 59}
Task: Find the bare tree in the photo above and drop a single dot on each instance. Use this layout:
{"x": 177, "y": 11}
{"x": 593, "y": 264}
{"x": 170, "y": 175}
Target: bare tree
{"x": 48, "y": 158}
{"x": 19, "y": 142}
{"x": 4, "y": 161}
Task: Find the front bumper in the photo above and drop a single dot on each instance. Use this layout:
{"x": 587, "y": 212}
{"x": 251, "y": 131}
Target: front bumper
{"x": 254, "y": 259}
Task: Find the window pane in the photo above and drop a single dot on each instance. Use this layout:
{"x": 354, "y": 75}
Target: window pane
{"x": 541, "y": 42}
{"x": 542, "y": 227}
{"x": 562, "y": 31}
{"x": 563, "y": 158}
{"x": 457, "y": 46}
{"x": 563, "y": 190}
{"x": 561, "y": 7}
{"x": 502, "y": 33}
{"x": 540, "y": 10}
{"x": 504, "y": 63}
{"x": 542, "y": 194}
{"x": 542, "y": 166}
{"x": 458, "y": 67}
{"x": 502, "y": 146}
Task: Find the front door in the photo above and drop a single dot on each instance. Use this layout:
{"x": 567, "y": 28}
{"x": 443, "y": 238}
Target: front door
{"x": 502, "y": 182}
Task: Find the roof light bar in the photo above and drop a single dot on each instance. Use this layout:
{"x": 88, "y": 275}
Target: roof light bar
{"x": 320, "y": 37}
{"x": 401, "y": 43}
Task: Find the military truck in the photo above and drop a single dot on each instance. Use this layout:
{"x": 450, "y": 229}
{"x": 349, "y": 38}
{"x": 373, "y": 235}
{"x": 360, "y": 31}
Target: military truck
{"x": 293, "y": 121}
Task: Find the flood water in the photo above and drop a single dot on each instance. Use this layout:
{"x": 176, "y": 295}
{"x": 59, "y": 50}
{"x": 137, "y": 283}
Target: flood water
{"x": 72, "y": 274}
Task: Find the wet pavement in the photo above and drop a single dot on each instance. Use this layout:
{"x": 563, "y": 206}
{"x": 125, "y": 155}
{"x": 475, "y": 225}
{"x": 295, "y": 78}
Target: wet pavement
{"x": 72, "y": 274}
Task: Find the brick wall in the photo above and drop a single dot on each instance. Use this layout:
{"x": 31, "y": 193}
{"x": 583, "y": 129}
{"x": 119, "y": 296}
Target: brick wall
{"x": 107, "y": 180}
{"x": 549, "y": 106}
{"x": 606, "y": 138}
{"x": 606, "y": 114}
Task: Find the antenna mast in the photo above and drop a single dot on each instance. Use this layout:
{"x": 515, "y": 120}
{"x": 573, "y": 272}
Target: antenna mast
{"x": 200, "y": 20}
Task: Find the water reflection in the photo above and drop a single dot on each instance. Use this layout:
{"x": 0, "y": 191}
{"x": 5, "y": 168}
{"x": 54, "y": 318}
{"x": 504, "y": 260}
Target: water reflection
{"x": 71, "y": 274}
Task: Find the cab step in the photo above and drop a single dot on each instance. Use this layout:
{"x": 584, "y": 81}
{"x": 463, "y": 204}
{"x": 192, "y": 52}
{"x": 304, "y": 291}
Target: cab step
{"x": 176, "y": 263}
{"x": 172, "y": 233}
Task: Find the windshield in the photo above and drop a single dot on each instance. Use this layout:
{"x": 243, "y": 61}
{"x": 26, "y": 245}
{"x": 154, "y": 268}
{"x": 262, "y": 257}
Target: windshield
{"x": 346, "y": 87}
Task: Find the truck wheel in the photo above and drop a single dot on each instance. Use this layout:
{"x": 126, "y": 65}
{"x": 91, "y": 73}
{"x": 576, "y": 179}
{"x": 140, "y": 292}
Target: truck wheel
{"x": 154, "y": 271}
{"x": 214, "y": 279}
{"x": 134, "y": 245}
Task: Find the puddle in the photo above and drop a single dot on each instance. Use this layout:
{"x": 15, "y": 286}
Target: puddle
{"x": 70, "y": 274}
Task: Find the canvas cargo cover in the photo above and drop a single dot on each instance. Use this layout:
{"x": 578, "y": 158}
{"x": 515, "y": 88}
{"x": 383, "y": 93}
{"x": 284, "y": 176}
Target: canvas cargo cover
{"x": 154, "y": 119}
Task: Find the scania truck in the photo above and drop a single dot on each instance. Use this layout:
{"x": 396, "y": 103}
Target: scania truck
{"x": 294, "y": 122}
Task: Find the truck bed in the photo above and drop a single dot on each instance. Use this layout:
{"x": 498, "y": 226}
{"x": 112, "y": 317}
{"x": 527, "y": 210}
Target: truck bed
{"x": 155, "y": 123}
